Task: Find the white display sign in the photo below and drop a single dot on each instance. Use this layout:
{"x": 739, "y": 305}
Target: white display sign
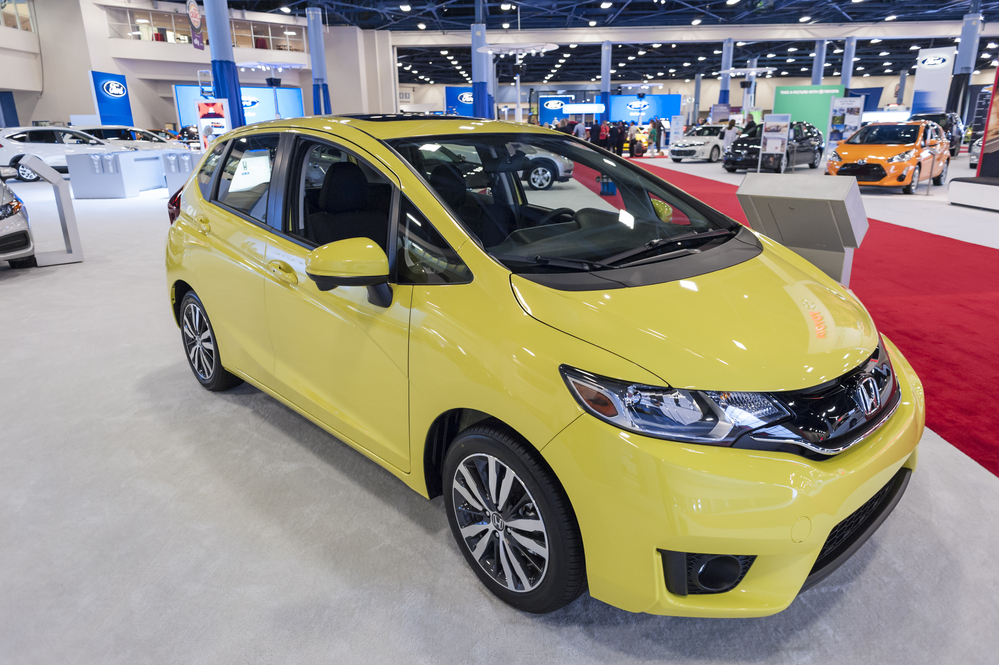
{"x": 776, "y": 131}
{"x": 933, "y": 71}
{"x": 675, "y": 130}
{"x": 575, "y": 109}
{"x": 213, "y": 119}
{"x": 845, "y": 115}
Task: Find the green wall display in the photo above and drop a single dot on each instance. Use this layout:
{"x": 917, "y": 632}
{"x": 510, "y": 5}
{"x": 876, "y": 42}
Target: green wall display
{"x": 808, "y": 103}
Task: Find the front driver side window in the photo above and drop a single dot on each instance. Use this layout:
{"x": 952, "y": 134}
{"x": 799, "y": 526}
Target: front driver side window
{"x": 424, "y": 256}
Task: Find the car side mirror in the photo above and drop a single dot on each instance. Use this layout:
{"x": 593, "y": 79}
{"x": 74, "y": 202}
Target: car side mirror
{"x": 351, "y": 262}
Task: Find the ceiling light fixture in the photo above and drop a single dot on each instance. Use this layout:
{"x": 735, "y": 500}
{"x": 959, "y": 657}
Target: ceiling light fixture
{"x": 421, "y": 26}
{"x": 696, "y": 21}
{"x": 875, "y": 41}
{"x": 405, "y": 8}
{"x": 890, "y": 18}
{"x": 804, "y": 19}
{"x": 286, "y": 10}
{"x": 593, "y": 23}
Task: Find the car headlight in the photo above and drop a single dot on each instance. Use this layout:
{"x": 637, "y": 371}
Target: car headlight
{"x": 697, "y": 143}
{"x": 834, "y": 157}
{"x": 11, "y": 209}
{"x": 692, "y": 416}
{"x": 902, "y": 156}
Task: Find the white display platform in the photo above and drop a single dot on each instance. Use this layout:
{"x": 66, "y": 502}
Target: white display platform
{"x": 115, "y": 175}
{"x": 974, "y": 192}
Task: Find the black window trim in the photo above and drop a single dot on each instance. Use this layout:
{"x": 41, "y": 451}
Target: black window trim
{"x": 214, "y": 200}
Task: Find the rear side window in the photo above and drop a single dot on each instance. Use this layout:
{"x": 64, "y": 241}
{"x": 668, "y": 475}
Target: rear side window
{"x": 424, "y": 256}
{"x": 42, "y": 136}
{"x": 208, "y": 169}
{"x": 20, "y": 138}
{"x": 246, "y": 178}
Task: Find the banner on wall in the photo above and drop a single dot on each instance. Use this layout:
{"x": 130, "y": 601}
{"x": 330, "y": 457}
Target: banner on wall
{"x": 933, "y": 71}
{"x": 197, "y": 21}
{"x": 111, "y": 98}
{"x": 458, "y": 101}
{"x": 844, "y": 117}
{"x": 630, "y": 108}
{"x": 550, "y": 108}
{"x": 807, "y": 103}
{"x": 213, "y": 119}
{"x": 258, "y": 103}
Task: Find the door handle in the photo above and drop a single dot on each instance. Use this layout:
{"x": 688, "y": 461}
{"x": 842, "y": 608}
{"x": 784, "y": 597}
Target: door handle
{"x": 202, "y": 222}
{"x": 283, "y": 271}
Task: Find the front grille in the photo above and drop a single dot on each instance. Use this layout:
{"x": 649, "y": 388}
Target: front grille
{"x": 864, "y": 172}
{"x": 14, "y": 242}
{"x": 849, "y": 535}
{"x": 681, "y": 152}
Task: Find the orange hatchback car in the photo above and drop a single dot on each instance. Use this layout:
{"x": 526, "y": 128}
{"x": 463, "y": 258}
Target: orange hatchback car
{"x": 894, "y": 155}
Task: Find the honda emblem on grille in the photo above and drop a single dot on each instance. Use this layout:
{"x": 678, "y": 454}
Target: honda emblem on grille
{"x": 867, "y": 396}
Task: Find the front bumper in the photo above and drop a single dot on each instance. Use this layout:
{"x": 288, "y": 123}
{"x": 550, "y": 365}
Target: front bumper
{"x": 635, "y": 497}
{"x": 750, "y": 161}
{"x": 16, "y": 241}
{"x": 691, "y": 152}
{"x": 875, "y": 173}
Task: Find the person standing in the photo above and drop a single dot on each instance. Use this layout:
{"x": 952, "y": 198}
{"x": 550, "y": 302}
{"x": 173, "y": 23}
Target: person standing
{"x": 653, "y": 137}
{"x": 604, "y": 133}
{"x": 622, "y": 133}
{"x": 730, "y": 133}
{"x": 595, "y": 132}
{"x": 660, "y": 130}
{"x": 632, "y": 137}
{"x": 749, "y": 124}
{"x": 579, "y": 131}
{"x": 612, "y": 133}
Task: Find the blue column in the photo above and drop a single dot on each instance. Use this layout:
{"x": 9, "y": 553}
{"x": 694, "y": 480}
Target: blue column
{"x": 697, "y": 98}
{"x": 317, "y": 53}
{"x": 605, "y": 79}
{"x": 727, "y": 47}
{"x": 964, "y": 65}
{"x": 480, "y": 72}
{"x": 819, "y": 62}
{"x": 225, "y": 76}
{"x": 849, "y": 53}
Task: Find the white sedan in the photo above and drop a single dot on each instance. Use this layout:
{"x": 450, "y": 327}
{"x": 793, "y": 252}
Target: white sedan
{"x": 132, "y": 137}
{"x": 50, "y": 144}
{"x": 703, "y": 142}
{"x": 16, "y": 244}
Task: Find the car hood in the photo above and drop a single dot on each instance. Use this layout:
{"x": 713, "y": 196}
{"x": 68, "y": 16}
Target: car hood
{"x": 746, "y": 143}
{"x": 852, "y": 152}
{"x": 772, "y": 323}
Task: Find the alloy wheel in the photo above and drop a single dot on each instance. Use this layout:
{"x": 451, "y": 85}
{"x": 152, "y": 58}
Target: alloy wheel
{"x": 540, "y": 177}
{"x": 24, "y": 173}
{"x": 499, "y": 523}
{"x": 715, "y": 153}
{"x": 198, "y": 342}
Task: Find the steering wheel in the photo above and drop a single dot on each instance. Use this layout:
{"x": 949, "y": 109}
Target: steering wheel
{"x": 553, "y": 214}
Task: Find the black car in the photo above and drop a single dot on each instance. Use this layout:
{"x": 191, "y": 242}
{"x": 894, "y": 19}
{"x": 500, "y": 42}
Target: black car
{"x": 952, "y": 125}
{"x": 805, "y": 147}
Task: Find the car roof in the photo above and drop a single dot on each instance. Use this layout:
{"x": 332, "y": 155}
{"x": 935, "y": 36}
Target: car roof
{"x": 393, "y": 126}
{"x": 86, "y": 127}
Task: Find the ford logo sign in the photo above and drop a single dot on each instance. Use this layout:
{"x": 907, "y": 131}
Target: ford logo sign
{"x": 638, "y": 106}
{"x": 250, "y": 102}
{"x": 465, "y": 98}
{"x": 114, "y": 89}
{"x": 554, "y": 104}
{"x": 934, "y": 61}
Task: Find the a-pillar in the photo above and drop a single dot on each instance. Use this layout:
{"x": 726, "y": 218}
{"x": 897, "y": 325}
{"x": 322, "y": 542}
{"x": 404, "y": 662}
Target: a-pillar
{"x": 727, "y": 47}
{"x": 697, "y": 96}
{"x": 846, "y": 71}
{"x": 605, "y": 79}
{"x": 225, "y": 76}
{"x": 967, "y": 53}
{"x": 819, "y": 62}
{"x": 317, "y": 53}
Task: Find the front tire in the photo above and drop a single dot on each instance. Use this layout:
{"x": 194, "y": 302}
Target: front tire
{"x": 715, "y": 154}
{"x": 677, "y": 159}
{"x": 20, "y": 264}
{"x": 201, "y": 346}
{"x": 914, "y": 183}
{"x": 816, "y": 160}
{"x": 26, "y": 175}
{"x": 730, "y": 169}
{"x": 512, "y": 520}
{"x": 540, "y": 177}
{"x": 942, "y": 178}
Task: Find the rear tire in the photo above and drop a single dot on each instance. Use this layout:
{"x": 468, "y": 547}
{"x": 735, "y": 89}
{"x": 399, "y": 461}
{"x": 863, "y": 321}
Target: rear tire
{"x": 494, "y": 480}
{"x": 201, "y": 346}
{"x": 914, "y": 183}
{"x": 541, "y": 176}
{"x": 942, "y": 178}
{"x": 25, "y": 174}
{"x": 730, "y": 169}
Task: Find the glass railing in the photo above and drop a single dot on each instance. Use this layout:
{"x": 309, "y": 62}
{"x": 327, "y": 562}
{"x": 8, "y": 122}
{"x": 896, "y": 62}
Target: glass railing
{"x": 16, "y": 14}
{"x": 153, "y": 26}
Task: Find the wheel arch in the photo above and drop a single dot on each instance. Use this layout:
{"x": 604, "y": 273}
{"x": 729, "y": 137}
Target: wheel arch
{"x": 179, "y": 289}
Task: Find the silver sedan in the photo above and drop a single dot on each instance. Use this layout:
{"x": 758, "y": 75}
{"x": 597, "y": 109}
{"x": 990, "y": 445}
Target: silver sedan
{"x": 16, "y": 244}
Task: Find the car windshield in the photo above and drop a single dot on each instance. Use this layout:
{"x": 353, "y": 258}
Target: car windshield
{"x": 541, "y": 203}
{"x": 143, "y": 135}
{"x": 116, "y": 134}
{"x": 939, "y": 118}
{"x": 704, "y": 131}
{"x": 885, "y": 135}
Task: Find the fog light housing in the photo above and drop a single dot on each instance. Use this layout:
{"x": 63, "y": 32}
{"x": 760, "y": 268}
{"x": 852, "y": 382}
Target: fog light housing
{"x": 689, "y": 573}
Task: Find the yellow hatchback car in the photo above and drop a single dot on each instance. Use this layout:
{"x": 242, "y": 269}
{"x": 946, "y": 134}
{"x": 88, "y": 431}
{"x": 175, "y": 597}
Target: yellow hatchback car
{"x": 613, "y": 385}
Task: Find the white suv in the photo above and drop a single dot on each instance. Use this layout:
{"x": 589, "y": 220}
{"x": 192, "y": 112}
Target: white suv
{"x": 132, "y": 137}
{"x": 50, "y": 144}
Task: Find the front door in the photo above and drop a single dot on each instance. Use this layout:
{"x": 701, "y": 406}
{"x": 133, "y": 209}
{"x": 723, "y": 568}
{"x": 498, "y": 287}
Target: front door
{"x": 338, "y": 356}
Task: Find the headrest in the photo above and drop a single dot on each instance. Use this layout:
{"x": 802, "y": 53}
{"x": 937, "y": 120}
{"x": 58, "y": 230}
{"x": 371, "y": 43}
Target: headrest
{"x": 345, "y": 188}
{"x": 447, "y": 181}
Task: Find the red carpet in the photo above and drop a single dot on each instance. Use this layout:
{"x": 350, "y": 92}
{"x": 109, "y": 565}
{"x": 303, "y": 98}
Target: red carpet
{"x": 937, "y": 299}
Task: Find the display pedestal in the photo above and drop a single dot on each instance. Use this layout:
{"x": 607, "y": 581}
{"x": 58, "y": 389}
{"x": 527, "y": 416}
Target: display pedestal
{"x": 974, "y": 192}
{"x": 115, "y": 175}
{"x": 67, "y": 215}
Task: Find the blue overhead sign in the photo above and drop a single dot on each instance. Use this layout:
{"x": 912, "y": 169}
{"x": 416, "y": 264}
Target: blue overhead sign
{"x": 111, "y": 98}
{"x": 550, "y": 108}
{"x": 630, "y": 107}
{"x": 458, "y": 101}
{"x": 258, "y": 103}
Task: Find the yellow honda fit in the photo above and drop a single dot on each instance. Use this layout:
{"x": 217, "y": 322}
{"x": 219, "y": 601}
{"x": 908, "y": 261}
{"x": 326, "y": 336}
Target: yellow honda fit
{"x": 613, "y": 385}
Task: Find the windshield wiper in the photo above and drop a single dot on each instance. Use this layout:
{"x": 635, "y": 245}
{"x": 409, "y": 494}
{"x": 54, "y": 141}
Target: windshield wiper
{"x": 553, "y": 261}
{"x": 660, "y": 242}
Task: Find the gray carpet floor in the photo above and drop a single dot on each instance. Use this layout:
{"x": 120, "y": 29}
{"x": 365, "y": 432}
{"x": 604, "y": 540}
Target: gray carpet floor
{"x": 145, "y": 520}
